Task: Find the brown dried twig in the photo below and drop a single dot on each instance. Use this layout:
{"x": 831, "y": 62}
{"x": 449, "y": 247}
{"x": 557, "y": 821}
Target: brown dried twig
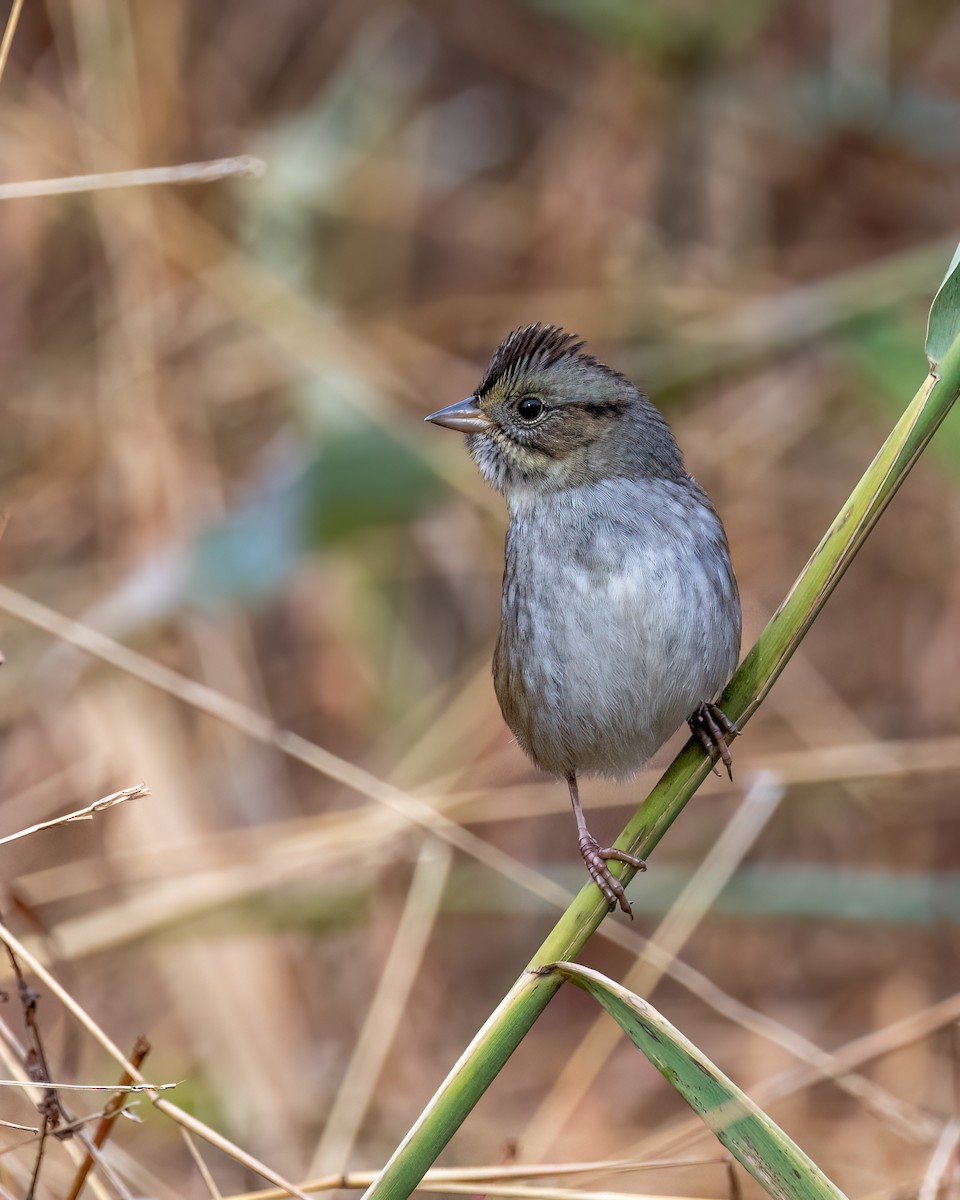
{"x": 51, "y": 1113}
{"x": 111, "y": 1111}
{"x": 184, "y": 1119}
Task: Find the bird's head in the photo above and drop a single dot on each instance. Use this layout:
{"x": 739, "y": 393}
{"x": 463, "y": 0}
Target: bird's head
{"x": 547, "y": 416}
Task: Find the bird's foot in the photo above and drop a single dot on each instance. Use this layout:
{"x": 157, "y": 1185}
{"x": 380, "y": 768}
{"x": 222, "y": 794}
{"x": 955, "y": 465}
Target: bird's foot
{"x": 596, "y": 859}
{"x": 715, "y": 730}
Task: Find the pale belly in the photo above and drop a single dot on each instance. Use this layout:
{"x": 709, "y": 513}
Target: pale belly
{"x": 606, "y": 649}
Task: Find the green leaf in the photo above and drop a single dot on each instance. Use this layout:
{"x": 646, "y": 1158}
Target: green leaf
{"x": 363, "y": 479}
{"x": 775, "y": 1161}
{"x": 356, "y": 481}
{"x": 943, "y": 324}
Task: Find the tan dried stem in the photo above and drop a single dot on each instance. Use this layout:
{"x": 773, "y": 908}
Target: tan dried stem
{"x": 110, "y": 1113}
{"x": 82, "y": 814}
{"x": 9, "y": 31}
{"x": 243, "y": 166}
{"x": 943, "y": 1158}
{"x": 497, "y": 1181}
{"x": 386, "y": 1008}
{"x": 179, "y": 1115}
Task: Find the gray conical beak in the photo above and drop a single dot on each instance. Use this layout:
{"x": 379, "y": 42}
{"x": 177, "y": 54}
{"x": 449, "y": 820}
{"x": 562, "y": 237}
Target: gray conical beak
{"x": 465, "y": 416}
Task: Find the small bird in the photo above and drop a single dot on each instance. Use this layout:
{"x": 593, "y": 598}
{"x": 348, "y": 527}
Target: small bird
{"x": 620, "y": 616}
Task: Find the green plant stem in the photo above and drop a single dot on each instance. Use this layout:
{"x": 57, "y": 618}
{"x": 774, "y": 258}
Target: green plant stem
{"x": 517, "y": 1012}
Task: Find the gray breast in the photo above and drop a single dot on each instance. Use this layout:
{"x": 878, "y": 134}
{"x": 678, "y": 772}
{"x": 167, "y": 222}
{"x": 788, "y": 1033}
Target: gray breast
{"x": 620, "y": 616}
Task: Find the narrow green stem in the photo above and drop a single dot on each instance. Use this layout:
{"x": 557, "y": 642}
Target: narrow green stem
{"x": 517, "y": 1012}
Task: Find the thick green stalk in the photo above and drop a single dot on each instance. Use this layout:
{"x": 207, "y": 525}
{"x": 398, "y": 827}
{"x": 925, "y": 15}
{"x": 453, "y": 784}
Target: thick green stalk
{"x": 517, "y": 1012}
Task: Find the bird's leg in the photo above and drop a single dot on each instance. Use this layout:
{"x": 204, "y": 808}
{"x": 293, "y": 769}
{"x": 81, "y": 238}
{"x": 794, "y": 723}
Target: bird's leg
{"x": 715, "y": 730}
{"x": 596, "y": 858}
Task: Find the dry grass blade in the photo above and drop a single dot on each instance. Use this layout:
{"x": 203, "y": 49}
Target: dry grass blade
{"x": 300, "y": 327}
{"x": 110, "y": 1113}
{"x": 169, "y": 901}
{"x": 97, "y": 1087}
{"x": 467, "y": 1188}
{"x": 254, "y": 725}
{"x": 21, "y": 1128}
{"x": 849, "y": 762}
{"x": 489, "y": 1180}
{"x": 12, "y": 1054}
{"x": 940, "y": 1161}
{"x": 82, "y": 814}
{"x": 386, "y": 1009}
{"x": 763, "y": 327}
{"x": 194, "y": 1151}
{"x": 11, "y": 28}
{"x": 509, "y": 1191}
{"x": 182, "y": 1118}
{"x": 242, "y": 166}
{"x": 873, "y": 1045}
{"x": 518, "y": 1191}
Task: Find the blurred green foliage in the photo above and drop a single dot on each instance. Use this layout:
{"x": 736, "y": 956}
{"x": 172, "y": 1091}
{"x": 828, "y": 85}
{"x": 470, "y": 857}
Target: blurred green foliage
{"x": 663, "y": 30}
{"x": 358, "y": 480}
{"x": 363, "y": 479}
{"x": 883, "y": 350}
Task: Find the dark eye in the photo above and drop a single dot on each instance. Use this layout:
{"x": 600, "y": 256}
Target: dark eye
{"x": 530, "y": 408}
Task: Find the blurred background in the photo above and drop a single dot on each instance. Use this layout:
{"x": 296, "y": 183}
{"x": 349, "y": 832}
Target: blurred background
{"x": 212, "y": 452}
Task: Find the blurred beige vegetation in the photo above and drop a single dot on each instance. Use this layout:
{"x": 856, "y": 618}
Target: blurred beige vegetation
{"x": 213, "y": 454}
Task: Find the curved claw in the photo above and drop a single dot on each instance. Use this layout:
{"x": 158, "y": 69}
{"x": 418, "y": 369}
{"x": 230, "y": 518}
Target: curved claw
{"x": 595, "y": 859}
{"x": 715, "y": 730}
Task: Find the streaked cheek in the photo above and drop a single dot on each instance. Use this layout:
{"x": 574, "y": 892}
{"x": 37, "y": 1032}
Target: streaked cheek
{"x": 529, "y": 458}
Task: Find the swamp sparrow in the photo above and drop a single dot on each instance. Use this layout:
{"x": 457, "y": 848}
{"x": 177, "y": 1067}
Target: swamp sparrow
{"x": 620, "y": 617}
